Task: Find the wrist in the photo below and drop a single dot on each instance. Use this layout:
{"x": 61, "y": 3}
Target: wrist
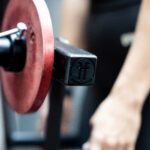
{"x": 133, "y": 83}
{"x": 128, "y": 97}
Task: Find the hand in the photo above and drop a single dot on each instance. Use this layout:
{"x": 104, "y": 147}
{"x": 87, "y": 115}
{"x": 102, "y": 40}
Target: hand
{"x": 115, "y": 126}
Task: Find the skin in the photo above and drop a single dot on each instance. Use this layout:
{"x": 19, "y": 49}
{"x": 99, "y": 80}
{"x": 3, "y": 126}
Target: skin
{"x": 117, "y": 120}
{"x": 73, "y": 17}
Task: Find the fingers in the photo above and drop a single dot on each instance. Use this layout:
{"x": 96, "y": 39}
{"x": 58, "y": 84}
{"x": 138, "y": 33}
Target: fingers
{"x": 107, "y": 145}
{"x": 101, "y": 141}
{"x": 91, "y": 146}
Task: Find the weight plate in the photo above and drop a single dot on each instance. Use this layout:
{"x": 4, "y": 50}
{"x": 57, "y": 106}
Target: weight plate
{"x": 25, "y": 91}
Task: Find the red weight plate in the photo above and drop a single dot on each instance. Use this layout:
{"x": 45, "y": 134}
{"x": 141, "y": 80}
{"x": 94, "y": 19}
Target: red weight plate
{"x": 26, "y": 90}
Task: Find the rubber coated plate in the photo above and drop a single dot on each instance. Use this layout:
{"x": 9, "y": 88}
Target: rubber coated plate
{"x": 26, "y": 90}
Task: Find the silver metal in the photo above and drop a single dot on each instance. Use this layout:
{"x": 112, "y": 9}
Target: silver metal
{"x": 63, "y": 40}
{"x": 19, "y": 30}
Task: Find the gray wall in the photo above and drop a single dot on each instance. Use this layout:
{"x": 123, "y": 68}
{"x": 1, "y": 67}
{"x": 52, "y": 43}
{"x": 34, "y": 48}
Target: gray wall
{"x": 54, "y": 8}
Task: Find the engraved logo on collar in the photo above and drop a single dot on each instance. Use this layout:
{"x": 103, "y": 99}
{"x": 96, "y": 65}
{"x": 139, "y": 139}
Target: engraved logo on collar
{"x": 82, "y": 71}
{"x": 126, "y": 39}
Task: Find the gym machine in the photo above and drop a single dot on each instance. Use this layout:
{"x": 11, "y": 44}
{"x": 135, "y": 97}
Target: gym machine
{"x": 31, "y": 64}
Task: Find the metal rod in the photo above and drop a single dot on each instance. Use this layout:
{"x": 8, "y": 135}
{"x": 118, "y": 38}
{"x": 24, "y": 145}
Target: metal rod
{"x": 52, "y": 141}
{"x": 20, "y": 29}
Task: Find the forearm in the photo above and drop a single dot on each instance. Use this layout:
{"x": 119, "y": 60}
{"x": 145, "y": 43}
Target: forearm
{"x": 73, "y": 17}
{"x": 134, "y": 79}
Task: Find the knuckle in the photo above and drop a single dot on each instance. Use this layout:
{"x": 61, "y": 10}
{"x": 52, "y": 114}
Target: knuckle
{"x": 112, "y": 142}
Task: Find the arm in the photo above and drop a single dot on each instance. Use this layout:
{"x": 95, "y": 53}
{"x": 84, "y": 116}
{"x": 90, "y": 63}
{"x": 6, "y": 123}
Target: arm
{"x": 74, "y": 13}
{"x": 117, "y": 121}
{"x": 135, "y": 74}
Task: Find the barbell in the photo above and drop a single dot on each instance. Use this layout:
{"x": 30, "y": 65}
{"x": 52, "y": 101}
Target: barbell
{"x": 27, "y": 59}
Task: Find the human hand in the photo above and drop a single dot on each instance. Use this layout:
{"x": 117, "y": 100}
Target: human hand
{"x": 115, "y": 126}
